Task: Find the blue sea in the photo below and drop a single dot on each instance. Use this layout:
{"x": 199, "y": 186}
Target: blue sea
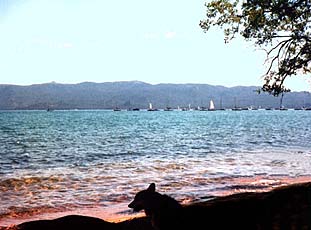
{"x": 94, "y": 161}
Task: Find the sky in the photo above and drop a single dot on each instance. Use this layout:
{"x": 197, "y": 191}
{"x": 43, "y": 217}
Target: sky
{"x": 154, "y": 41}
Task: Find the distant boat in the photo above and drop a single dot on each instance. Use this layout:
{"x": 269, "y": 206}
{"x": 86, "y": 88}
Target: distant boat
{"x": 134, "y": 109}
{"x": 49, "y": 110}
{"x": 211, "y": 106}
{"x": 151, "y": 108}
{"x": 116, "y": 109}
{"x": 282, "y": 108}
{"x": 235, "y": 106}
{"x": 168, "y": 109}
{"x": 252, "y": 108}
{"x": 189, "y": 106}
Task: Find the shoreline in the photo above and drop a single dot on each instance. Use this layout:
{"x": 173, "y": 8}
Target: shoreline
{"x": 112, "y": 216}
{"x": 285, "y": 206}
{"x": 118, "y": 217}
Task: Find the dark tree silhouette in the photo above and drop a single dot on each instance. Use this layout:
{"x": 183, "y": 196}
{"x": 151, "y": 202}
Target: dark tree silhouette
{"x": 281, "y": 27}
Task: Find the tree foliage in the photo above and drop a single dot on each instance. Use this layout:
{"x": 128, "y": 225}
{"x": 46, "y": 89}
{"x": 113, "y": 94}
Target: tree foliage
{"x": 281, "y": 27}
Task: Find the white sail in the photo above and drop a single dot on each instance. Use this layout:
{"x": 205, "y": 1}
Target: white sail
{"x": 150, "y": 106}
{"x": 211, "y": 105}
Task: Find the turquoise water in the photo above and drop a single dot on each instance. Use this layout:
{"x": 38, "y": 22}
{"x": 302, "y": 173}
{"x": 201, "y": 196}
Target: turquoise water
{"x": 64, "y": 160}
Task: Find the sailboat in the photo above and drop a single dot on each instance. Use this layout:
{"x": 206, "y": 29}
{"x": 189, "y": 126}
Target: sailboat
{"x": 235, "y": 107}
{"x": 151, "y": 108}
{"x": 211, "y": 106}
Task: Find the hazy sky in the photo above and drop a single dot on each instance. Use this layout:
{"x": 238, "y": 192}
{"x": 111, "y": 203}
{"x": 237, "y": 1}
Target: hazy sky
{"x": 155, "y": 41}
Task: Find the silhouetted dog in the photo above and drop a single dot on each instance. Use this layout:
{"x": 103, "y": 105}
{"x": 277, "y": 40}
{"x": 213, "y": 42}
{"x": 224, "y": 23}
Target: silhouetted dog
{"x": 163, "y": 210}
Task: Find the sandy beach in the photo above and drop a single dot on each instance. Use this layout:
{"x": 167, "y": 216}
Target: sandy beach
{"x": 286, "y": 207}
{"x": 118, "y": 213}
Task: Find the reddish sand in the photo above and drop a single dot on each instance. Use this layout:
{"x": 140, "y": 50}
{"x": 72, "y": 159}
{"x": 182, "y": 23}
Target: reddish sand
{"x": 114, "y": 215}
{"x": 270, "y": 182}
{"x": 102, "y": 213}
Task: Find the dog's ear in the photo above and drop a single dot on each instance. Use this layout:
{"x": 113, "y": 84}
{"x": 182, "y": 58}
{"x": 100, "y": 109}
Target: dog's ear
{"x": 151, "y": 187}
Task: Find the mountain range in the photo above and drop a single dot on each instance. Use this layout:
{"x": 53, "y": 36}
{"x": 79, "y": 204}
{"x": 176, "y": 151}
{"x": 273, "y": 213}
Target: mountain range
{"x": 136, "y": 94}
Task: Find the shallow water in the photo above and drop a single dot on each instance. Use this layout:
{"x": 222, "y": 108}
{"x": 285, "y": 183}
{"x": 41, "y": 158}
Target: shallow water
{"x": 96, "y": 161}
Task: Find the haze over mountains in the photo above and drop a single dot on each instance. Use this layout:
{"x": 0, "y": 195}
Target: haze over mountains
{"x": 135, "y": 94}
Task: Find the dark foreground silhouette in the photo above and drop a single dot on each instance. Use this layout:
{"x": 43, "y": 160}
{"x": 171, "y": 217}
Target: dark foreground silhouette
{"x": 283, "y": 208}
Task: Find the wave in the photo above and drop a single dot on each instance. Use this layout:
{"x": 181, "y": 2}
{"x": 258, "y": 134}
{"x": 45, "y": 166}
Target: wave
{"x": 18, "y": 184}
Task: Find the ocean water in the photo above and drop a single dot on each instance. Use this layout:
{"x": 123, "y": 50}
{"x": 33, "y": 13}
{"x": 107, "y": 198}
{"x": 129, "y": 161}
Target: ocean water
{"x": 95, "y": 161}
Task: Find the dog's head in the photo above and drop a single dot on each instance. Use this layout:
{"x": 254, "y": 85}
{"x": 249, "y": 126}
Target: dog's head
{"x": 143, "y": 199}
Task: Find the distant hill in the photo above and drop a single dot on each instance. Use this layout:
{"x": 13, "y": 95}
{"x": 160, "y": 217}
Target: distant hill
{"x": 135, "y": 94}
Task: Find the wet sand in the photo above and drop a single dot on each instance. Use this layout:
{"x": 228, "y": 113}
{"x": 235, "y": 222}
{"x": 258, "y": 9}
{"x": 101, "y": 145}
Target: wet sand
{"x": 120, "y": 212}
{"x": 286, "y": 207}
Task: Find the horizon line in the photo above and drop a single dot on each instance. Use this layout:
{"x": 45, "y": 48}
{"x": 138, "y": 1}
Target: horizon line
{"x": 136, "y": 81}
